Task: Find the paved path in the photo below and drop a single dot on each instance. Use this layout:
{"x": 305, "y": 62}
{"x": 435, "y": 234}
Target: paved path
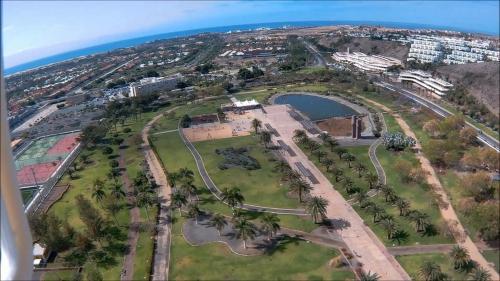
{"x": 445, "y": 207}
{"x": 135, "y": 218}
{"x": 216, "y": 191}
{"x": 421, "y": 249}
{"x": 372, "y": 152}
{"x": 163, "y": 239}
{"x": 358, "y": 237}
{"x": 164, "y": 132}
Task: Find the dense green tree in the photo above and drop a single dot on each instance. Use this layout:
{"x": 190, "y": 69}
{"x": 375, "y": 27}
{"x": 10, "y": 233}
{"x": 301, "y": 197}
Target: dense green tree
{"x": 270, "y": 224}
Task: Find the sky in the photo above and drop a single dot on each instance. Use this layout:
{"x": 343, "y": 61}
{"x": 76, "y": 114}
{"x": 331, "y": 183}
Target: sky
{"x": 37, "y": 29}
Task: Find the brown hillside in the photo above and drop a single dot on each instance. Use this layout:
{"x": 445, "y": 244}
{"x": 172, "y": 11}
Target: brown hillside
{"x": 371, "y": 47}
{"x": 482, "y": 80}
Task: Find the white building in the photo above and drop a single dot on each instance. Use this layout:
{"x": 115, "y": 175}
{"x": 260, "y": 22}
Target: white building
{"x": 153, "y": 84}
{"x": 425, "y": 50}
{"x": 373, "y": 63}
{"x": 433, "y": 87}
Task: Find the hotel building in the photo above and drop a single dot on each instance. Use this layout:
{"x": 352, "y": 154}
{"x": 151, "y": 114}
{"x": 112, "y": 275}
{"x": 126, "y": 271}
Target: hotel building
{"x": 426, "y": 84}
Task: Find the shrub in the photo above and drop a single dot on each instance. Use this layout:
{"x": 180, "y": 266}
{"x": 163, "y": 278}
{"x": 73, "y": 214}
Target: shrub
{"x": 397, "y": 141}
{"x": 127, "y": 130}
{"x": 107, "y": 150}
{"x": 113, "y": 163}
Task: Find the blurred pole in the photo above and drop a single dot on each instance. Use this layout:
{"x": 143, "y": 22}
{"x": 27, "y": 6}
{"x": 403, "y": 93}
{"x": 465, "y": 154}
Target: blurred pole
{"x": 16, "y": 244}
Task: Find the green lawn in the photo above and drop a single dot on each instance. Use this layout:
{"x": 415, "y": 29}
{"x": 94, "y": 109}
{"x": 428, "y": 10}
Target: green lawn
{"x": 293, "y": 260}
{"x": 259, "y": 187}
{"x": 174, "y": 155}
{"x": 59, "y": 275}
{"x": 412, "y": 264}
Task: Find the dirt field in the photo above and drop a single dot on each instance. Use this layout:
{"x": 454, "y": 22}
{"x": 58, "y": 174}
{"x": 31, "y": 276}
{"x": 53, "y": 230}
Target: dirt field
{"x": 337, "y": 127}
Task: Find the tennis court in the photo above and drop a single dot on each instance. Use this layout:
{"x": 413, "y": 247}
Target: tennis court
{"x": 40, "y": 160}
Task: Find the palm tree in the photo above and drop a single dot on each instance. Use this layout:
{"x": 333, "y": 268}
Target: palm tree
{"x": 219, "y": 222}
{"x": 403, "y": 206}
{"x": 360, "y": 168}
{"x": 480, "y": 274}
{"x": 177, "y": 200}
{"x": 145, "y": 199}
{"x": 186, "y": 174}
{"x": 317, "y": 207}
{"x": 319, "y": 153}
{"x": 172, "y": 178}
{"x": 112, "y": 206}
{"x": 388, "y": 192}
{"x": 281, "y": 166}
{"x": 291, "y": 175}
{"x": 332, "y": 143}
{"x": 232, "y": 197}
{"x": 300, "y": 187}
{"x": 361, "y": 198}
{"x": 420, "y": 219}
{"x": 245, "y": 230}
{"x": 299, "y": 135}
{"x": 348, "y": 184}
{"x": 327, "y": 163}
{"x": 324, "y": 137}
{"x": 340, "y": 151}
{"x": 431, "y": 271}
{"x": 389, "y": 225}
{"x": 338, "y": 173}
{"x": 256, "y": 125}
{"x": 460, "y": 257}
{"x": 189, "y": 189}
{"x": 376, "y": 211}
{"x": 194, "y": 211}
{"x": 369, "y": 276}
{"x": 270, "y": 224}
{"x": 348, "y": 157}
{"x": 265, "y": 137}
{"x": 371, "y": 179}
{"x": 117, "y": 191}
{"x": 399, "y": 236}
{"x": 98, "y": 193}
{"x": 313, "y": 145}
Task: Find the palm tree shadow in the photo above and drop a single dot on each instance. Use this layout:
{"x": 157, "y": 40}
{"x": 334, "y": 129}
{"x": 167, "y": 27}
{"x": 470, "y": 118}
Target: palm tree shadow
{"x": 279, "y": 244}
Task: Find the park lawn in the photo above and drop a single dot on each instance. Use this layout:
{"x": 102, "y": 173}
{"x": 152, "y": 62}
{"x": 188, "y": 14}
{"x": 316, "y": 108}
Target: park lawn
{"x": 59, "y": 275}
{"x": 143, "y": 255}
{"x": 259, "y": 187}
{"x": 174, "y": 155}
{"x": 293, "y": 260}
{"x": 65, "y": 208}
{"x": 412, "y": 263}
{"x": 494, "y": 257}
{"x": 28, "y": 194}
{"x": 391, "y": 123}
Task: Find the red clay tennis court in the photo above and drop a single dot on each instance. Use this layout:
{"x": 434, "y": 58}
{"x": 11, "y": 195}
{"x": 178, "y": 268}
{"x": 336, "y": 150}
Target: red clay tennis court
{"x": 41, "y": 159}
{"x": 41, "y": 172}
{"x": 64, "y": 145}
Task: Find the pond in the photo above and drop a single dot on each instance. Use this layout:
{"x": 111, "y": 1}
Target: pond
{"x": 314, "y": 107}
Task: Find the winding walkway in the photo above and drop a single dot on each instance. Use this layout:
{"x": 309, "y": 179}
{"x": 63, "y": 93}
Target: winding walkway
{"x": 216, "y": 191}
{"x": 445, "y": 207}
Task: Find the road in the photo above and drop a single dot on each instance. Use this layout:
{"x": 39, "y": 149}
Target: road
{"x": 161, "y": 258}
{"x": 320, "y": 60}
{"x": 79, "y": 89}
{"x": 359, "y": 239}
{"x": 439, "y": 110}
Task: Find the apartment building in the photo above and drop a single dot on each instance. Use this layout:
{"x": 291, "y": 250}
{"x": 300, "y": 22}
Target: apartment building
{"x": 367, "y": 63}
{"x": 425, "y": 50}
{"x": 154, "y": 84}
{"x": 425, "y": 83}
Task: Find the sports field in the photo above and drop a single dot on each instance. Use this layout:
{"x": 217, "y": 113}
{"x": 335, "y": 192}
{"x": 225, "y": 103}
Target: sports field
{"x": 41, "y": 159}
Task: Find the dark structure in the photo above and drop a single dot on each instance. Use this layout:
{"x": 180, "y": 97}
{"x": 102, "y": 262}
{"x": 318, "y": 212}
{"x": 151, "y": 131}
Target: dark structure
{"x": 356, "y": 127}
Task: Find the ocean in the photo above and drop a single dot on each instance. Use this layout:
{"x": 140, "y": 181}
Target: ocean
{"x": 244, "y": 27}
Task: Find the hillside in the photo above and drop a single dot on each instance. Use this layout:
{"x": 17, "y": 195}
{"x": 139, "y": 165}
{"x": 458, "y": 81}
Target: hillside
{"x": 482, "y": 80}
{"x": 368, "y": 46}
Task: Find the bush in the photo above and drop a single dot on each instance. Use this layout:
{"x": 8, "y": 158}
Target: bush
{"x": 107, "y": 150}
{"x": 113, "y": 163}
{"x": 236, "y": 157}
{"x": 127, "y": 130}
{"x": 397, "y": 141}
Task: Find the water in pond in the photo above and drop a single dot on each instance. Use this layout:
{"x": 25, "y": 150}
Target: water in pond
{"x": 314, "y": 107}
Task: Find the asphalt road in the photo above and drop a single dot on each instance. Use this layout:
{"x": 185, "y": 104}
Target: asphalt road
{"x": 482, "y": 137}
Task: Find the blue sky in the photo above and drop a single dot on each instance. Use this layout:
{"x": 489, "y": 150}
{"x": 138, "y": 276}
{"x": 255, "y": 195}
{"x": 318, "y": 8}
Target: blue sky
{"x": 37, "y": 29}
